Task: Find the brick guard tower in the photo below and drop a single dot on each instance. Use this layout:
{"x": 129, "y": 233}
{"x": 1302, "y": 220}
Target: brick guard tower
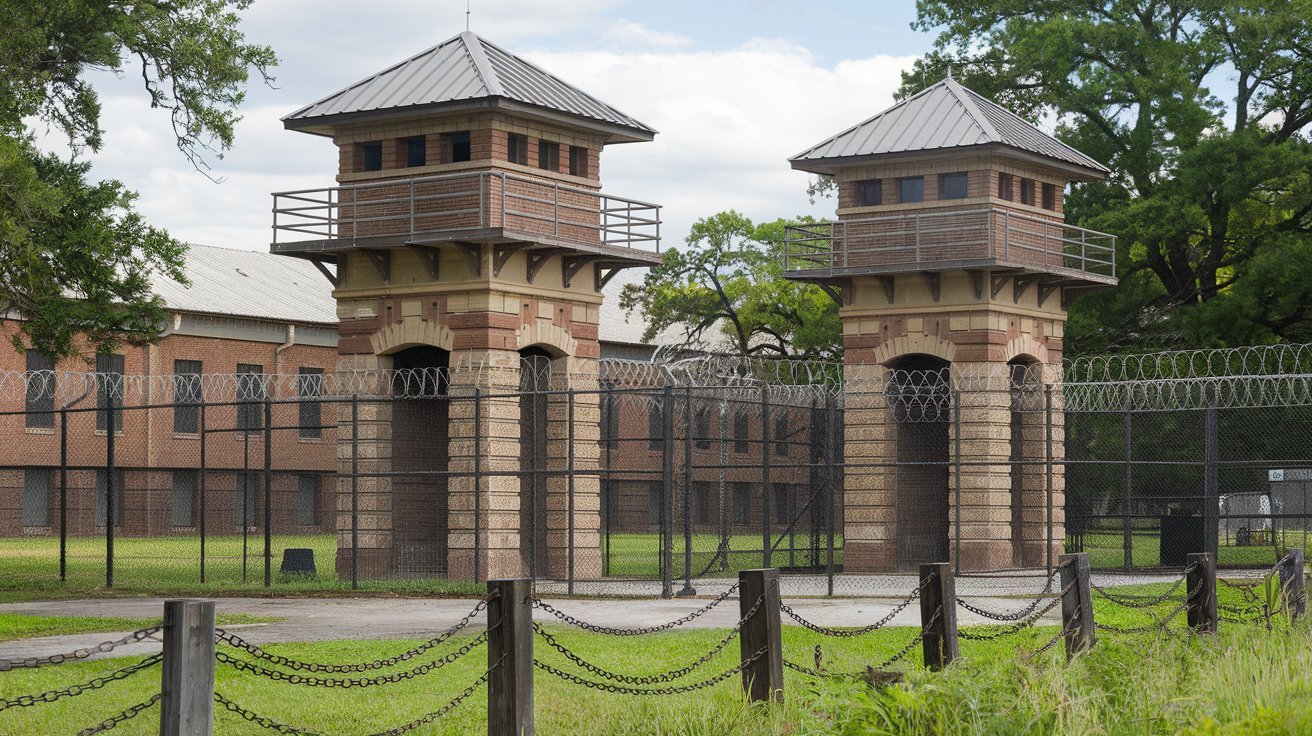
{"x": 950, "y": 257}
{"x": 468, "y": 229}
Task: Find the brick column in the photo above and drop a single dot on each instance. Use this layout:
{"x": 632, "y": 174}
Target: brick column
{"x": 869, "y": 511}
{"x": 374, "y": 493}
{"x": 985, "y": 514}
{"x": 579, "y": 374}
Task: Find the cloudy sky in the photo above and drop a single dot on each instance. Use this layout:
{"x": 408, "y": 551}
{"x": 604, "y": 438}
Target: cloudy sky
{"x": 733, "y": 86}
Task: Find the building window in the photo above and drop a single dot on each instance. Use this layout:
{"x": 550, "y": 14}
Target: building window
{"x": 911, "y": 189}
{"x": 251, "y": 393}
{"x": 1049, "y": 197}
{"x": 40, "y": 400}
{"x": 702, "y": 494}
{"x": 102, "y": 498}
{"x": 307, "y": 499}
{"x": 186, "y": 396}
{"x": 109, "y": 387}
{"x": 702, "y": 428}
{"x": 610, "y": 427}
{"x": 783, "y": 504}
{"x": 742, "y": 503}
{"x": 781, "y": 434}
{"x": 371, "y": 156}
{"x": 37, "y": 483}
{"x": 655, "y": 492}
{"x": 1004, "y": 187}
{"x": 184, "y": 498}
{"x": 1027, "y": 192}
{"x": 869, "y": 193}
{"x": 416, "y": 151}
{"x": 740, "y": 430}
{"x": 578, "y": 161}
{"x": 656, "y": 425}
{"x": 458, "y": 146}
{"x": 309, "y": 387}
{"x": 247, "y": 500}
{"x": 517, "y": 148}
{"x": 548, "y": 155}
{"x": 952, "y": 186}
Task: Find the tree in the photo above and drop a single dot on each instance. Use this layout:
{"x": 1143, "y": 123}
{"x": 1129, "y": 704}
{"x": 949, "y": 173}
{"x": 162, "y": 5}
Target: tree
{"x": 726, "y": 292}
{"x": 1201, "y": 109}
{"x": 75, "y": 260}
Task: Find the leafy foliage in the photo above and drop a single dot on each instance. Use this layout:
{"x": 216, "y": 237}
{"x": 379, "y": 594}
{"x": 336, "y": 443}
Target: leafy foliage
{"x": 1201, "y": 110}
{"x": 726, "y": 292}
{"x": 75, "y": 259}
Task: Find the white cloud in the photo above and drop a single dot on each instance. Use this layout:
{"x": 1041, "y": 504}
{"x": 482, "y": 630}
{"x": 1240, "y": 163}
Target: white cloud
{"x": 628, "y": 34}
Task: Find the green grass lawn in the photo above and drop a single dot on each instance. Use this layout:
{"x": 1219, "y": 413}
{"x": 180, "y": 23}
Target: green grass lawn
{"x": 1107, "y": 550}
{"x": 1246, "y": 681}
{"x": 22, "y": 626}
{"x": 639, "y": 555}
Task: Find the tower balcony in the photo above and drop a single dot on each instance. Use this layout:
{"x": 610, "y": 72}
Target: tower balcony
{"x": 475, "y": 207}
{"x": 934, "y": 241}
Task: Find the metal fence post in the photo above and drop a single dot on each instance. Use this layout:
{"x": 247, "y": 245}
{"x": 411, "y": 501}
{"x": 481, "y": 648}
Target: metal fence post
{"x": 200, "y": 490}
{"x": 268, "y": 488}
{"x": 510, "y": 657}
{"x": 478, "y": 482}
{"x": 1200, "y": 593}
{"x": 110, "y": 506}
{"x": 956, "y": 482}
{"x": 688, "y": 590}
{"x": 1293, "y": 583}
{"x": 831, "y": 481}
{"x": 187, "y": 674}
{"x": 1127, "y": 532}
{"x": 1076, "y": 603}
{"x": 1048, "y": 483}
{"x": 569, "y": 480}
{"x": 607, "y": 441}
{"x": 938, "y": 614}
{"x": 1211, "y": 480}
{"x": 355, "y": 491}
{"x": 63, "y": 494}
{"x": 763, "y": 678}
{"x": 765, "y": 477}
{"x": 667, "y": 493}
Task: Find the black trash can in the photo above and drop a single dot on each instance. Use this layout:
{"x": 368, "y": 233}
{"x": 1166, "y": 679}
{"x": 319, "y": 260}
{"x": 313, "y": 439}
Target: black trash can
{"x": 298, "y": 561}
{"x": 1179, "y": 537}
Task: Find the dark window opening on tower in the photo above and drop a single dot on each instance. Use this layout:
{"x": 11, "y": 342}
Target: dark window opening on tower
{"x": 459, "y": 146}
{"x": 372, "y": 155}
{"x": 1049, "y": 197}
{"x": 548, "y": 155}
{"x": 869, "y": 193}
{"x": 416, "y": 151}
{"x": 516, "y": 148}
{"x": 1027, "y": 191}
{"x": 578, "y": 161}
{"x": 1004, "y": 187}
{"x": 912, "y": 189}
{"x": 952, "y": 186}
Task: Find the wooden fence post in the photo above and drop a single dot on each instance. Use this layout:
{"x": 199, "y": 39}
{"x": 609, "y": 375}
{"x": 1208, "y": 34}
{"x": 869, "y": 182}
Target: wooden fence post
{"x": 1293, "y": 585}
{"x": 187, "y": 674}
{"x": 1200, "y": 592}
{"x": 510, "y": 643}
{"x": 763, "y": 679}
{"x": 938, "y": 614}
{"x": 1076, "y": 603}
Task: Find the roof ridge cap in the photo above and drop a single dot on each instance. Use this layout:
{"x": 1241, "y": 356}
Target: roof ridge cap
{"x": 477, "y": 54}
{"x": 976, "y": 114}
{"x": 867, "y": 121}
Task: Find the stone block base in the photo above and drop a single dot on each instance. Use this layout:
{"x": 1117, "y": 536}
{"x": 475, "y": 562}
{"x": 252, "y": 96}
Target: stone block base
{"x": 373, "y": 564}
{"x": 977, "y": 556}
{"x": 496, "y": 564}
{"x": 869, "y": 556}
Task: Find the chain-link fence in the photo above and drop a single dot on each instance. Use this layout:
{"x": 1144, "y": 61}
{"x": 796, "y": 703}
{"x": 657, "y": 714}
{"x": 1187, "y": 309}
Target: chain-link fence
{"x": 654, "y": 478}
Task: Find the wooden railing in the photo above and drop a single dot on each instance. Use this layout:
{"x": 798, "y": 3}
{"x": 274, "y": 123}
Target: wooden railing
{"x": 438, "y": 207}
{"x": 942, "y": 240}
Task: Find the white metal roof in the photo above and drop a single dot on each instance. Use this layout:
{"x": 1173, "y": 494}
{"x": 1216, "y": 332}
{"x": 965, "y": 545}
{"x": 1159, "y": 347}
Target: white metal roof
{"x": 464, "y": 67}
{"x": 944, "y": 115}
{"x": 247, "y": 283}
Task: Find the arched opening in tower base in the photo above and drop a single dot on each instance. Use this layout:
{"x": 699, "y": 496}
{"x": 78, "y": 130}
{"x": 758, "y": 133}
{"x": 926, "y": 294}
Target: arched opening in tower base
{"x": 920, "y": 400}
{"x": 420, "y": 413}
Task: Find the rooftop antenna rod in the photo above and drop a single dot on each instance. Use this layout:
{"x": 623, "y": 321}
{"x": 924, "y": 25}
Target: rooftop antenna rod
{"x": 467, "y": 15}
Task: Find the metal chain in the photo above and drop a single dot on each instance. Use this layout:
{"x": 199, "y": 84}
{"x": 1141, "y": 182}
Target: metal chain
{"x": 72, "y": 691}
{"x": 126, "y": 714}
{"x": 237, "y": 642}
{"x": 313, "y": 681}
{"x": 102, "y": 648}
{"x": 669, "y": 676}
{"x": 847, "y": 633}
{"x": 1129, "y": 600}
{"x": 904, "y": 651}
{"x": 676, "y": 690}
{"x": 1011, "y": 616}
{"x": 283, "y": 728}
{"x": 572, "y": 621}
{"x": 1017, "y": 627}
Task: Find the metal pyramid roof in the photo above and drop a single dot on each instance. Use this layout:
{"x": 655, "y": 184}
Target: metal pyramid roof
{"x": 944, "y": 115}
{"x": 465, "y": 67}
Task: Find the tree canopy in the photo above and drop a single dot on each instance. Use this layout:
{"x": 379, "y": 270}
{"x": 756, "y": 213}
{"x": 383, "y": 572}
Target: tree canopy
{"x": 75, "y": 258}
{"x": 1201, "y": 109}
{"x": 726, "y": 292}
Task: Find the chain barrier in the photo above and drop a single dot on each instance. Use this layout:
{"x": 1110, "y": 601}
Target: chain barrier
{"x": 1160, "y": 626}
{"x": 1130, "y": 600}
{"x": 348, "y": 683}
{"x": 72, "y": 691}
{"x": 676, "y": 690}
{"x": 1012, "y": 616}
{"x": 818, "y": 671}
{"x": 102, "y": 648}
{"x": 237, "y": 642}
{"x": 848, "y": 633}
{"x": 1015, "y": 628}
{"x": 283, "y": 728}
{"x": 1060, "y": 634}
{"x": 126, "y": 714}
{"x": 572, "y": 621}
{"x": 664, "y": 677}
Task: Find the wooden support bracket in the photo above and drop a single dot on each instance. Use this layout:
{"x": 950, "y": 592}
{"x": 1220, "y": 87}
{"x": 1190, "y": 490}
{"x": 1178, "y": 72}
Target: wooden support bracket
{"x": 934, "y": 280}
{"x": 536, "y": 260}
{"x": 607, "y": 271}
{"x": 502, "y": 253}
{"x": 977, "y": 281}
{"x": 887, "y": 282}
{"x": 833, "y": 293}
{"x": 382, "y": 260}
{"x": 1018, "y": 286}
{"x": 1047, "y": 289}
{"x": 429, "y": 257}
{"x": 570, "y": 266}
{"x": 996, "y": 282}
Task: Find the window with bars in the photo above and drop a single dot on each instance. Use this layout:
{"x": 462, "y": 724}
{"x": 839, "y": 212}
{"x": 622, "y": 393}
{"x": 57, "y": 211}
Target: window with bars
{"x": 781, "y": 434}
{"x": 39, "y": 403}
{"x": 656, "y": 424}
{"x": 578, "y": 161}
{"x": 1049, "y": 197}
{"x": 457, "y": 146}
{"x": 416, "y": 151}
{"x": 869, "y": 193}
{"x": 548, "y": 155}
{"x": 1027, "y": 191}
{"x": 911, "y": 189}
{"x": 783, "y": 504}
{"x": 309, "y": 389}
{"x": 246, "y": 512}
{"x": 307, "y": 499}
{"x": 1005, "y": 187}
{"x": 37, "y": 486}
{"x": 517, "y": 148}
{"x": 109, "y": 387}
{"x": 251, "y": 394}
{"x": 742, "y": 503}
{"x": 741, "y": 427}
{"x": 102, "y": 498}
{"x": 186, "y": 396}
{"x": 183, "y": 501}
{"x": 371, "y": 156}
{"x": 953, "y": 186}
{"x": 701, "y": 427}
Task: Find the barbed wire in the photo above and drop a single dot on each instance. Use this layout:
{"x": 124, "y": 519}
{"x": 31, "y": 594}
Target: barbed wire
{"x": 126, "y": 714}
{"x": 674, "y": 690}
{"x": 611, "y": 631}
{"x": 57, "y": 659}
{"x": 286, "y": 662}
{"x": 283, "y": 728}
{"x": 348, "y": 683}
{"x": 848, "y": 633}
{"x": 72, "y": 691}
